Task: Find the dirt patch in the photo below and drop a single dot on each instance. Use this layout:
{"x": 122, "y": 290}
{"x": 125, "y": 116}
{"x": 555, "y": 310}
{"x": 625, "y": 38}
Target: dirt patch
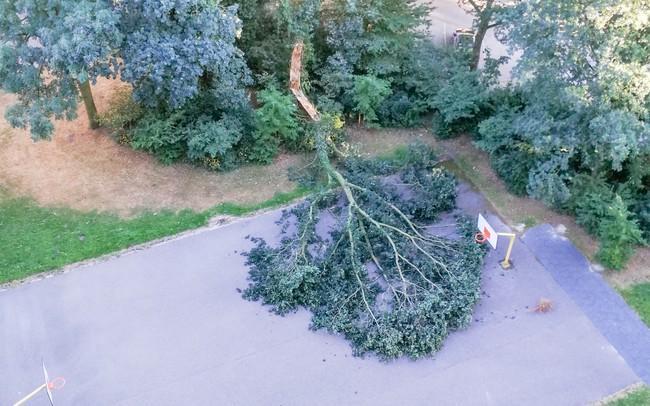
{"x": 87, "y": 170}
{"x": 373, "y": 142}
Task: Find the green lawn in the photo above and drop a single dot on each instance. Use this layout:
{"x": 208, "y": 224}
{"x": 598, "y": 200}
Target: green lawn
{"x": 35, "y": 239}
{"x": 638, "y": 296}
{"x": 639, "y": 397}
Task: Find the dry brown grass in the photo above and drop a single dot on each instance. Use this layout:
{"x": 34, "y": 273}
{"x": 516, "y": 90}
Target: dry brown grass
{"x": 87, "y": 170}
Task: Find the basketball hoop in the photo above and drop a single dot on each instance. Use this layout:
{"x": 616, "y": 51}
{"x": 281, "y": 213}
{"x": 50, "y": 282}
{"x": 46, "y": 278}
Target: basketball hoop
{"x": 486, "y": 233}
{"x": 56, "y": 383}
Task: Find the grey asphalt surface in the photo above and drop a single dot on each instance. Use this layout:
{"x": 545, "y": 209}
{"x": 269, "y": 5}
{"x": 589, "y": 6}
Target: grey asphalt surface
{"x": 166, "y": 325}
{"x": 605, "y": 307}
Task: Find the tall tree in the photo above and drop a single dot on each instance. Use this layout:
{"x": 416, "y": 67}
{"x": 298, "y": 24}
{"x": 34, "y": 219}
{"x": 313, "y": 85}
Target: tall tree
{"x": 585, "y": 68}
{"x": 367, "y": 37}
{"x": 175, "y": 48}
{"x": 486, "y": 16}
{"x": 50, "y": 51}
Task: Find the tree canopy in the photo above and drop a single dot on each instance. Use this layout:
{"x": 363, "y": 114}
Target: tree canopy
{"x": 50, "y": 50}
{"x": 47, "y": 50}
{"x": 171, "y": 49}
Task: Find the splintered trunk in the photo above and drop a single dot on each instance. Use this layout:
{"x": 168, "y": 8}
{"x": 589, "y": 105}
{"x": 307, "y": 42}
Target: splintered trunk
{"x": 91, "y": 110}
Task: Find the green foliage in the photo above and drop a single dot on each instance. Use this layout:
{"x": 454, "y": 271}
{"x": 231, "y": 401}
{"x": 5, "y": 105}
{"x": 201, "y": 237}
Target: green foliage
{"x": 586, "y": 95}
{"x": 368, "y": 282}
{"x": 36, "y": 239}
{"x": 513, "y": 165}
{"x": 169, "y": 52}
{"x": 465, "y": 96}
{"x": 160, "y": 135}
{"x": 214, "y": 140}
{"x": 457, "y": 102}
{"x": 642, "y": 212}
{"x": 368, "y": 93}
{"x": 638, "y": 297}
{"x": 618, "y": 235}
{"x": 46, "y": 49}
{"x": 579, "y": 112}
{"x": 269, "y": 30}
{"x": 122, "y": 113}
{"x": 172, "y": 51}
{"x": 372, "y": 38}
{"x": 590, "y": 198}
{"x": 209, "y": 130}
{"x": 277, "y": 124}
{"x": 639, "y": 397}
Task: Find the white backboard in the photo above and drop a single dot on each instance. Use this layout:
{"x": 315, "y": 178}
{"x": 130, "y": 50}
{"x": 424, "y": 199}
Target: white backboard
{"x": 488, "y": 232}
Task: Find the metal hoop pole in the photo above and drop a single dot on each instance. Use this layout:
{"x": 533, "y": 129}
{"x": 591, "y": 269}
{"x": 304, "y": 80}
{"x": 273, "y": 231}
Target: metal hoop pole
{"x": 505, "y": 264}
{"x": 31, "y": 395}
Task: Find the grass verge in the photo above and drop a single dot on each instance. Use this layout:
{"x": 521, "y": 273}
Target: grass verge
{"x": 638, "y": 297}
{"x": 638, "y": 397}
{"x": 36, "y": 239}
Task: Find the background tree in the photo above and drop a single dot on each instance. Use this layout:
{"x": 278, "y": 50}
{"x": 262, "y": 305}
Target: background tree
{"x": 268, "y": 32}
{"x": 172, "y": 50}
{"x": 576, "y": 128}
{"x": 50, "y": 51}
{"x": 586, "y": 77}
{"x": 487, "y": 15}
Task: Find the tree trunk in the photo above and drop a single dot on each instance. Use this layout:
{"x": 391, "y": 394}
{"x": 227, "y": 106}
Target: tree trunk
{"x": 91, "y": 110}
{"x": 478, "y": 41}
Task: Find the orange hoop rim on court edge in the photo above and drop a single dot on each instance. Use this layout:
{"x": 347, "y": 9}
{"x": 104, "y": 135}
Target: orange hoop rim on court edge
{"x": 56, "y": 383}
{"x": 480, "y": 238}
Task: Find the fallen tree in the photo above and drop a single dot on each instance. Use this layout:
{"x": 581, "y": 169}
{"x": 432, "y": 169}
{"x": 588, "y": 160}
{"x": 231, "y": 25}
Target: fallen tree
{"x": 379, "y": 277}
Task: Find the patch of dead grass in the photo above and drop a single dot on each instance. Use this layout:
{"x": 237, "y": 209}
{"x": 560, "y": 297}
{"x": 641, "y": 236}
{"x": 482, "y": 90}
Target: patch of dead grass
{"x": 87, "y": 170}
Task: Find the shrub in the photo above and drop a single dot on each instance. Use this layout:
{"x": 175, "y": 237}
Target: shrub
{"x": 589, "y": 201}
{"x": 416, "y": 85}
{"x": 209, "y": 130}
{"x": 513, "y": 165}
{"x": 618, "y": 235}
{"x": 464, "y": 98}
{"x": 457, "y": 102}
{"x": 213, "y": 142}
{"x": 160, "y": 136}
{"x": 642, "y": 212}
{"x": 276, "y": 124}
{"x": 368, "y": 93}
{"x": 398, "y": 110}
{"x": 122, "y": 113}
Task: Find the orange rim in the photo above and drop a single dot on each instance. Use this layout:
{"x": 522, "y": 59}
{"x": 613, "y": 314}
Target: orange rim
{"x": 56, "y": 383}
{"x": 479, "y": 238}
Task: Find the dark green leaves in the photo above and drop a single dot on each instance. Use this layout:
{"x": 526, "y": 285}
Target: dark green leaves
{"x": 378, "y": 278}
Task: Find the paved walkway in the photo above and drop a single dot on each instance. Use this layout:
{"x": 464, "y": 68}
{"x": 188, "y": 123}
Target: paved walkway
{"x": 167, "y": 326}
{"x": 605, "y": 307}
